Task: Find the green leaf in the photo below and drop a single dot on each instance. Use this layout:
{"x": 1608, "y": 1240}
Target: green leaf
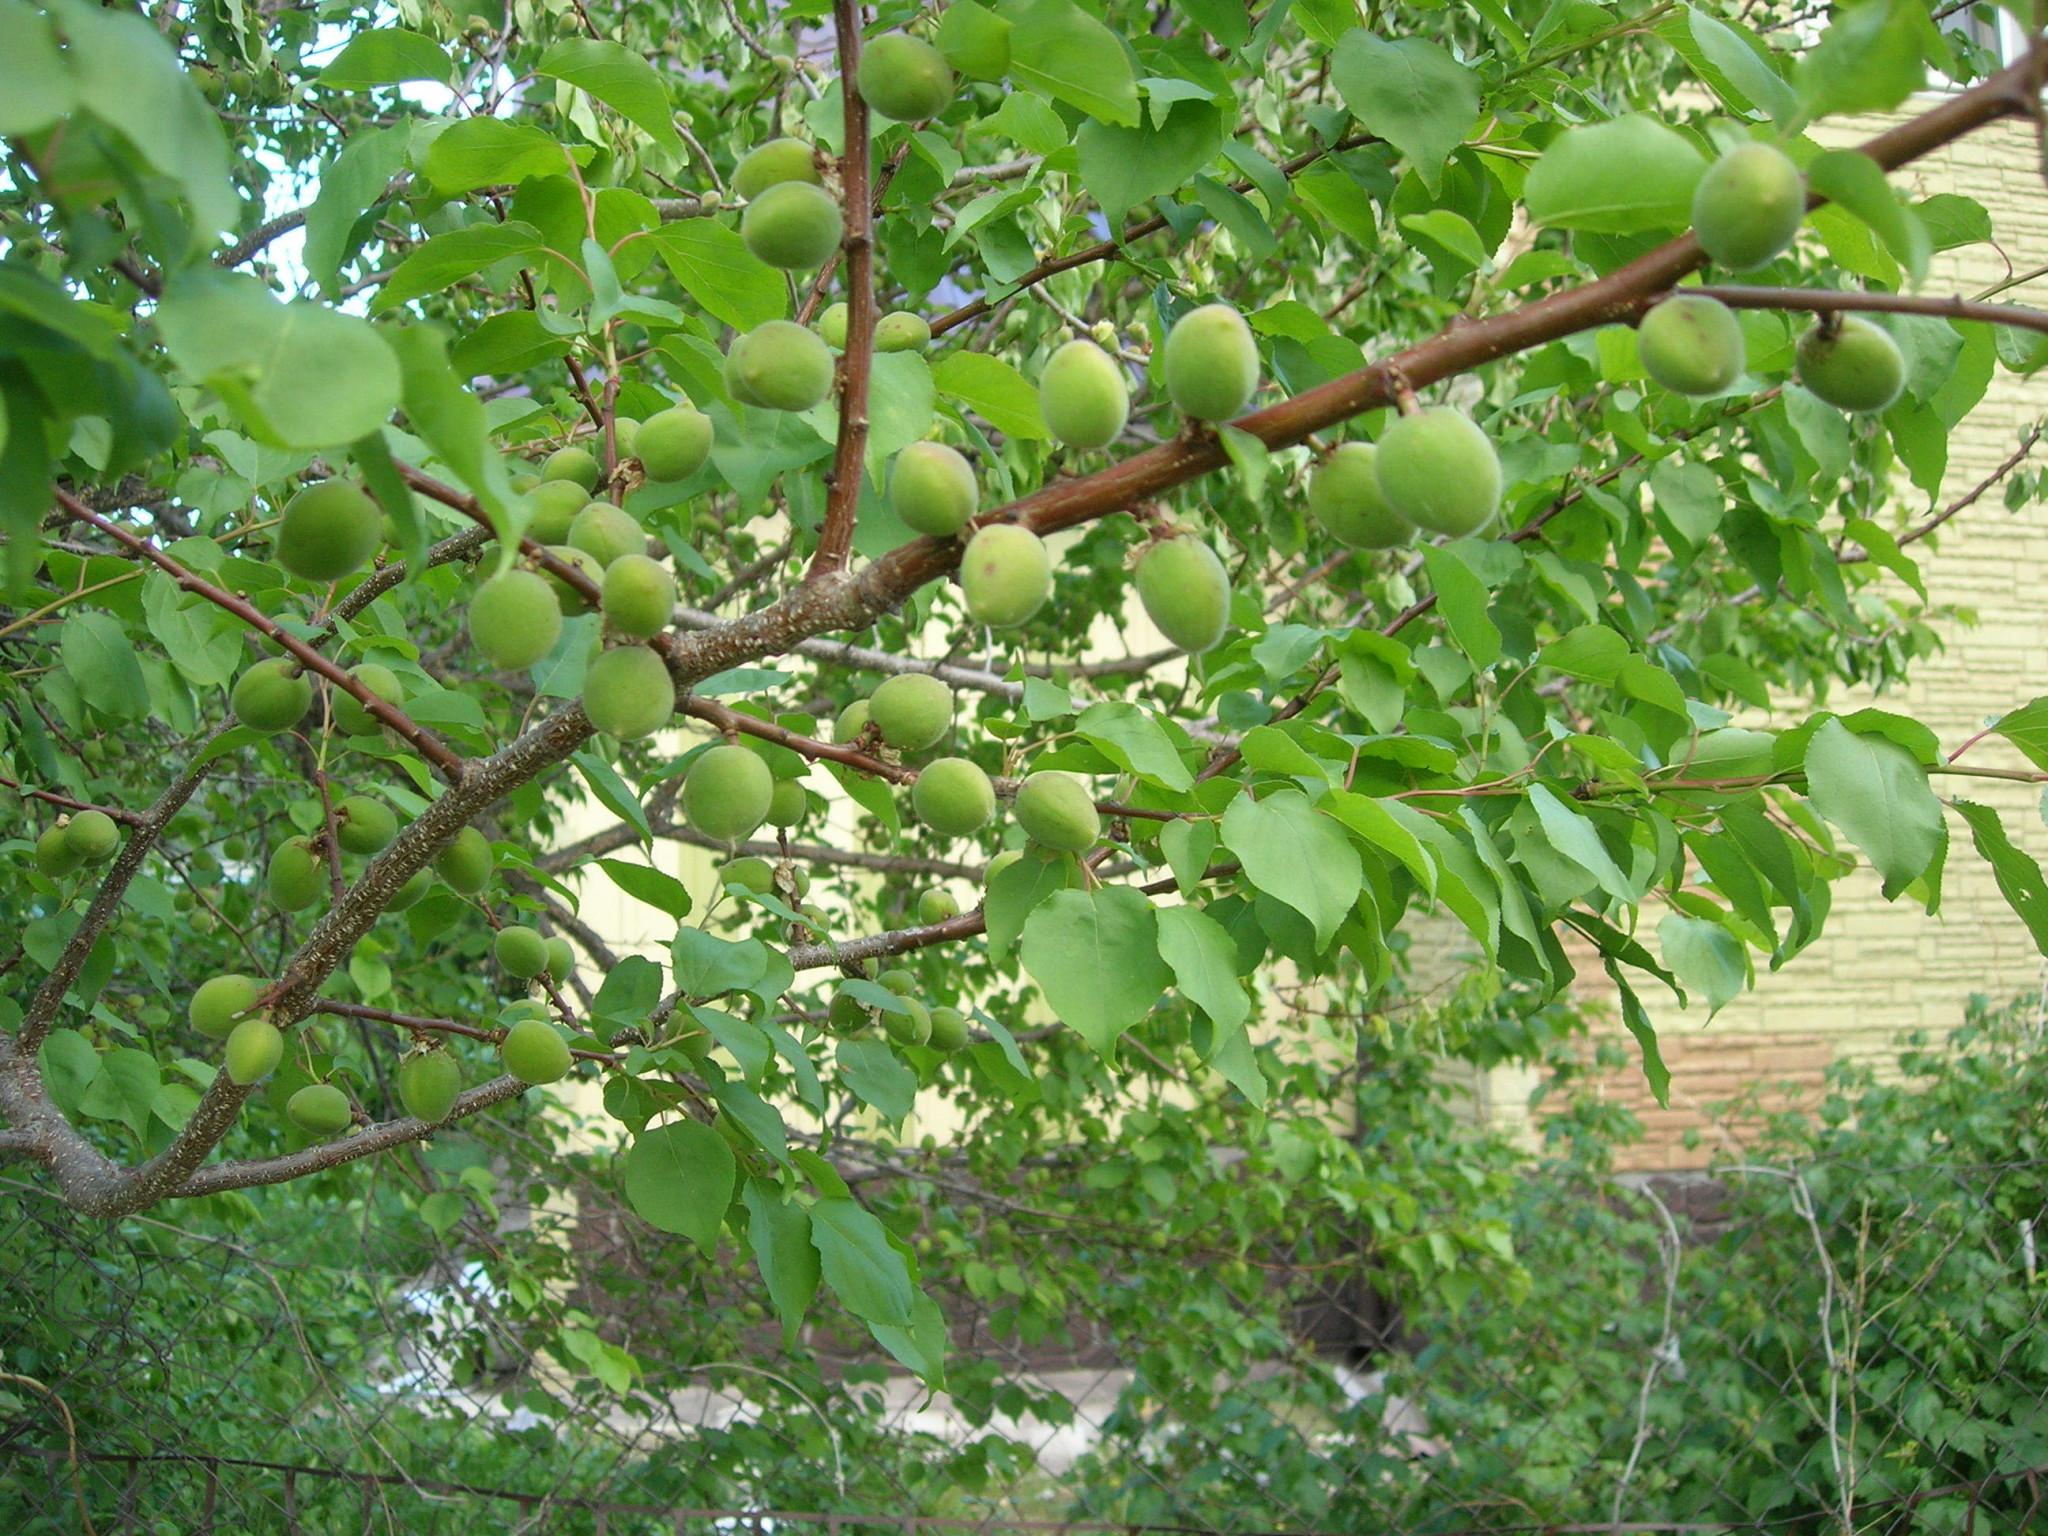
{"x": 656, "y": 887}
{"x": 1574, "y": 836}
{"x": 69, "y": 1066}
{"x": 296, "y": 375}
{"x": 1876, "y": 792}
{"x": 993, "y": 390}
{"x": 1638, "y": 1021}
{"x": 447, "y": 259}
{"x": 1135, "y": 742}
{"x": 1617, "y": 178}
{"x": 1869, "y": 60}
{"x": 1462, "y": 599}
{"x": 1411, "y": 93}
{"x": 451, "y": 419}
{"x": 1706, "y": 957}
{"x": 1124, "y": 167}
{"x": 35, "y": 90}
{"x": 680, "y": 1178}
{"x": 1187, "y": 846}
{"x": 860, "y": 1263}
{"x": 878, "y": 1078}
{"x": 128, "y": 77}
{"x": 1095, "y": 956}
{"x": 612, "y": 792}
{"x": 717, "y": 270}
{"x": 1059, "y": 50}
{"x": 974, "y": 40}
{"x": 488, "y": 151}
{"x": 385, "y": 56}
{"x": 1204, "y": 963}
{"x": 101, "y": 660}
{"x": 899, "y": 408}
{"x": 618, "y": 77}
{"x": 351, "y": 183}
{"x": 1856, "y": 182}
{"x": 707, "y": 966}
{"x": 1592, "y": 653}
{"x": 1380, "y": 823}
{"x": 779, "y": 1232}
{"x": 1015, "y": 891}
{"x": 1297, "y": 855}
{"x": 1742, "y": 67}
{"x": 2018, "y": 876}
{"x": 2027, "y": 729}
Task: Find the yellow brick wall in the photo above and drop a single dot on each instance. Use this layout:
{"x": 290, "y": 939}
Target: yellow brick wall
{"x": 1881, "y": 970}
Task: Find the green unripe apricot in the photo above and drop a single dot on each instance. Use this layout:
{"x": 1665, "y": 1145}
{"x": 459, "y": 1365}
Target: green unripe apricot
{"x": 466, "y": 862}
{"x": 787, "y": 805}
{"x": 1210, "y": 363}
{"x": 778, "y": 160}
{"x": 779, "y": 366}
{"x": 219, "y": 1002}
{"x": 673, "y": 444}
{"x": 625, "y": 436}
{"x": 607, "y": 533}
{"x": 92, "y": 835}
{"x": 55, "y": 857}
{"x": 1083, "y": 396}
{"x": 351, "y": 714}
{"x": 793, "y": 225}
{"x": 561, "y": 958}
{"x": 903, "y": 77}
{"x": 912, "y": 1026}
{"x": 901, "y": 330}
{"x": 363, "y": 825}
{"x": 750, "y": 874}
{"x": 514, "y": 619}
{"x": 575, "y": 464}
{"x": 555, "y": 504}
{"x": 319, "y": 1109}
{"x": 1692, "y": 345}
{"x": 535, "y": 1052}
{"x": 1186, "y": 592}
{"x": 520, "y": 951}
{"x": 911, "y": 711}
{"x": 329, "y": 529}
{"x": 898, "y": 980}
{"x": 727, "y": 792}
{"x": 851, "y": 722}
{"x": 832, "y": 326}
{"x": 639, "y": 596}
{"x": 848, "y": 1014}
{"x": 1439, "y": 471}
{"x": 429, "y": 1080}
{"x": 949, "y": 1029}
{"x": 294, "y": 879}
{"x": 628, "y": 693}
{"x": 936, "y": 905}
{"x": 1857, "y": 367}
{"x": 254, "y": 1049}
{"x": 1748, "y": 206}
{"x": 1057, "y": 811}
{"x": 1005, "y": 575}
{"x": 998, "y": 864}
{"x": 272, "y": 695}
{"x": 1344, "y": 496}
{"x": 409, "y": 894}
{"x": 524, "y": 1008}
{"x": 931, "y": 487}
{"x": 953, "y": 797}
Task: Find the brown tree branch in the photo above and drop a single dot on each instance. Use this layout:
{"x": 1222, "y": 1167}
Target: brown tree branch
{"x": 849, "y": 467}
{"x": 1823, "y": 301}
{"x": 429, "y": 746}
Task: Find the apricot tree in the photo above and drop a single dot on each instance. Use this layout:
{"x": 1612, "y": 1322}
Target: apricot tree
{"x": 753, "y": 422}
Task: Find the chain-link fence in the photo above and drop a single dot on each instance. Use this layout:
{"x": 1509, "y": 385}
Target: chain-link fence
{"x": 1819, "y": 1338}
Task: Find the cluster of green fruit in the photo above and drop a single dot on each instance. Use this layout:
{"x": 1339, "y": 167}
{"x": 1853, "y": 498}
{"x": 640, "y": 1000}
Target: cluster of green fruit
{"x": 71, "y": 842}
{"x": 230, "y": 1008}
{"x": 912, "y": 1022}
{"x": 1746, "y": 213}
